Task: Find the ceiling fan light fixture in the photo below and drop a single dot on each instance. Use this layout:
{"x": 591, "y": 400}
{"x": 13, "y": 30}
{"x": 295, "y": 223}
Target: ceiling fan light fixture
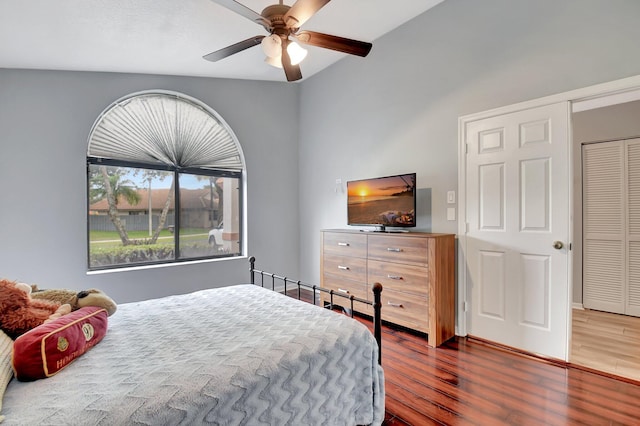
{"x": 296, "y": 53}
{"x": 272, "y": 46}
{"x": 283, "y": 22}
{"x": 274, "y": 61}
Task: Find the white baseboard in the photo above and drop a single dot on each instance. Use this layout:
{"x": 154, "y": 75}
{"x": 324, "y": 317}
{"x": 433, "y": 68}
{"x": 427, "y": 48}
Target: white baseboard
{"x": 578, "y": 306}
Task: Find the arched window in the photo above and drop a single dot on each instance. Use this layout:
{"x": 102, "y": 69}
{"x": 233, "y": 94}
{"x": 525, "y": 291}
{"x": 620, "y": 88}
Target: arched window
{"x": 164, "y": 183}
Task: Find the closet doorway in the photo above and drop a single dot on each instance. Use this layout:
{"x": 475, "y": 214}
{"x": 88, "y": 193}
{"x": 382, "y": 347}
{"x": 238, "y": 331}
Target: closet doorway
{"x": 606, "y": 314}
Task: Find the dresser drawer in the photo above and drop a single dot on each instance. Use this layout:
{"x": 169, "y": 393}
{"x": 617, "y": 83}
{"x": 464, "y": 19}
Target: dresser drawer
{"x": 409, "y": 250}
{"x": 345, "y": 244}
{"x": 416, "y": 270}
{"x": 408, "y": 310}
{"x": 346, "y": 288}
{"x": 345, "y": 267}
{"x": 399, "y": 277}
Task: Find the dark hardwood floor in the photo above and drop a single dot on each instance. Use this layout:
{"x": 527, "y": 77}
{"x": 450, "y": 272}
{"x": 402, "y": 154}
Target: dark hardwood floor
{"x": 467, "y": 382}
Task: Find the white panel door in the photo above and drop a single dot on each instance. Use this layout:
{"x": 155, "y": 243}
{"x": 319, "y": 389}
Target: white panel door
{"x": 517, "y": 186}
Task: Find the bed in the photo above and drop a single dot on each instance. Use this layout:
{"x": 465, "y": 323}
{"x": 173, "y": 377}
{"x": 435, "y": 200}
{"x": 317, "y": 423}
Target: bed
{"x": 235, "y": 355}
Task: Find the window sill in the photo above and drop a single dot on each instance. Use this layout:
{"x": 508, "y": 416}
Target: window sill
{"x": 163, "y": 265}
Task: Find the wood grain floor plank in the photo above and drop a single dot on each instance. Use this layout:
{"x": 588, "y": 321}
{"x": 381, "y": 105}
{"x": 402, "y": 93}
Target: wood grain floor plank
{"x": 469, "y": 407}
{"x": 485, "y": 385}
{"x": 466, "y": 382}
{"x": 607, "y": 342}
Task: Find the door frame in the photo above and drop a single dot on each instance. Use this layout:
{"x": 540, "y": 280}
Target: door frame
{"x": 617, "y": 91}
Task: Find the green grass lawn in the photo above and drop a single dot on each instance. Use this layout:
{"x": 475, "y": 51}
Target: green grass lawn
{"x": 112, "y": 238}
{"x": 113, "y": 235}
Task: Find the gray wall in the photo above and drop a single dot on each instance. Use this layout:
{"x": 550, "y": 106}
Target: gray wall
{"x": 597, "y": 125}
{"x": 45, "y": 119}
{"x": 396, "y": 110}
{"x": 609, "y": 123}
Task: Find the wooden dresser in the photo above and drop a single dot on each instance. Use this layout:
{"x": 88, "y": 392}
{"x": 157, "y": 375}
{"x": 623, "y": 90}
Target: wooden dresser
{"x": 416, "y": 270}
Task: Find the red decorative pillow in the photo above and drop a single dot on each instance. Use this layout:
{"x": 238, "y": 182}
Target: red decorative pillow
{"x": 48, "y": 348}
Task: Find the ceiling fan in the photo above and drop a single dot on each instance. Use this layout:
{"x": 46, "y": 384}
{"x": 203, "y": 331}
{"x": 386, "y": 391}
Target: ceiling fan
{"x": 283, "y": 24}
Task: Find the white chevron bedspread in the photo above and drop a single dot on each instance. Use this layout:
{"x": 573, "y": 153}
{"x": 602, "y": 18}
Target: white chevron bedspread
{"x": 238, "y": 355}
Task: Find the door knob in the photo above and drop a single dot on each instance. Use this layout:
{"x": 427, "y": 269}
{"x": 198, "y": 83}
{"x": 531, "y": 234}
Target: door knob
{"x": 557, "y": 245}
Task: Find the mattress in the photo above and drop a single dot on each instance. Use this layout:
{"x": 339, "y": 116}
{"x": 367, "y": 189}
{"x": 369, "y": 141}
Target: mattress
{"x": 238, "y": 355}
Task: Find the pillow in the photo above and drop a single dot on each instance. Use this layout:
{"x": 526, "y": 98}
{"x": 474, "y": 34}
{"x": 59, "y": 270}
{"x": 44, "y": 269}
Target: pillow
{"x": 50, "y": 347}
{"x": 6, "y": 345}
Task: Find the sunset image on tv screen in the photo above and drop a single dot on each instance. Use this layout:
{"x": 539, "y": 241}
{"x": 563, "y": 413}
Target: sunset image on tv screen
{"x": 385, "y": 201}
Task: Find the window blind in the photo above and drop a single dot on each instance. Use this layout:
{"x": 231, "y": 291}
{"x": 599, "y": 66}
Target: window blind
{"x": 165, "y": 128}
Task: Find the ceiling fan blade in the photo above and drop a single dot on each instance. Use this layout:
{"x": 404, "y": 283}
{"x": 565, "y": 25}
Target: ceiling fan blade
{"x": 301, "y": 11}
{"x": 243, "y": 10}
{"x": 341, "y": 44}
{"x": 234, "y": 48}
{"x": 292, "y": 72}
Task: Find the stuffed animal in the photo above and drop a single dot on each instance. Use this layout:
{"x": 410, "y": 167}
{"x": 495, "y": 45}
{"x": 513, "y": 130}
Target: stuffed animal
{"x": 19, "y": 313}
{"x": 77, "y": 299}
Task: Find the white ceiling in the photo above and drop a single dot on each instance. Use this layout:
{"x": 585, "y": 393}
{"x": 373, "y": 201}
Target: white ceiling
{"x": 170, "y": 36}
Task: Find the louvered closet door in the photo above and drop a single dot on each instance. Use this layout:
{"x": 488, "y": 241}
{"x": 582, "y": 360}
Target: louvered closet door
{"x": 611, "y": 226}
{"x": 603, "y": 226}
{"x": 633, "y": 225}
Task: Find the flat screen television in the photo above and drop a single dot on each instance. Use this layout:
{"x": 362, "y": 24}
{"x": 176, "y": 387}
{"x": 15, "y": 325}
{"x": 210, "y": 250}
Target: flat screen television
{"x": 388, "y": 201}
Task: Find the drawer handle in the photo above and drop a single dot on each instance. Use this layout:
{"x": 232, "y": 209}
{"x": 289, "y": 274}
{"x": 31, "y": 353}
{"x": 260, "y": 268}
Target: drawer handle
{"x": 342, "y": 290}
{"x": 343, "y": 244}
{"x": 395, "y": 305}
{"x": 394, "y": 277}
{"x": 395, "y": 250}
{"x": 344, "y": 268}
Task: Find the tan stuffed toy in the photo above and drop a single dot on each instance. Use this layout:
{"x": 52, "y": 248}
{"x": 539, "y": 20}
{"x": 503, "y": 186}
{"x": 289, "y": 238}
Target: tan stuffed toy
{"x": 77, "y": 299}
{"x": 19, "y": 313}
